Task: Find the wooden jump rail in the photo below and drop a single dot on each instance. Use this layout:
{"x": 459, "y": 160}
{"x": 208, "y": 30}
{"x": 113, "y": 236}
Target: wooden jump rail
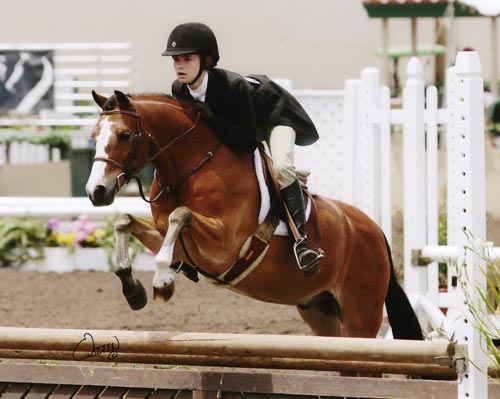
{"x": 76, "y": 352}
{"x": 211, "y": 344}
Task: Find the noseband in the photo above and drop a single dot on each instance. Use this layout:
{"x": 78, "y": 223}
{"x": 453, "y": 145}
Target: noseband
{"x": 128, "y": 172}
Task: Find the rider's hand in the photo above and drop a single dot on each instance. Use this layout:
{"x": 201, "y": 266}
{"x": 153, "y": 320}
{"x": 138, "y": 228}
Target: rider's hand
{"x": 205, "y": 110}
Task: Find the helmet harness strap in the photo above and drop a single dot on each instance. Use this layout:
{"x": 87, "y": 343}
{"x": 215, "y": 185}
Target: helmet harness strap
{"x": 202, "y": 68}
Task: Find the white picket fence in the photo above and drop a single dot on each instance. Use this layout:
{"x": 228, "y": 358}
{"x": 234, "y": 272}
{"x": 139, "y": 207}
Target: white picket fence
{"x": 370, "y": 119}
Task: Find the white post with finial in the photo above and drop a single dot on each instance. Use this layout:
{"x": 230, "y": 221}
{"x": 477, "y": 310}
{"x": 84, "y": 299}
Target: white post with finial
{"x": 350, "y": 127}
{"x": 467, "y": 215}
{"x": 368, "y": 145}
{"x": 414, "y": 173}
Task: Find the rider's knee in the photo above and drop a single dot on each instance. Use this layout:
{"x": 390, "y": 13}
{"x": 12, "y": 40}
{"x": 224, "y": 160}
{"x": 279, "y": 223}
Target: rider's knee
{"x": 286, "y": 174}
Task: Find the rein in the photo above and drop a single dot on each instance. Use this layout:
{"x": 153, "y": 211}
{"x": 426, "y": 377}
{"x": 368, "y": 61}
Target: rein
{"x": 173, "y": 188}
{"x": 129, "y": 173}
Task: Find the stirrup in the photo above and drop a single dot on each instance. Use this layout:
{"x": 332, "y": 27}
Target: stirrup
{"x": 311, "y": 267}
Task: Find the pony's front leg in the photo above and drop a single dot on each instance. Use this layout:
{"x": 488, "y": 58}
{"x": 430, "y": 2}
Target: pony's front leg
{"x": 181, "y": 217}
{"x": 132, "y": 289}
{"x": 146, "y": 232}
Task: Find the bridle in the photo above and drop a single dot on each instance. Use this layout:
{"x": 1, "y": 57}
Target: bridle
{"x": 129, "y": 172}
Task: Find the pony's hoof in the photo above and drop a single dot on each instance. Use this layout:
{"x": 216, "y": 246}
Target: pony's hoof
{"x": 136, "y": 297}
{"x": 163, "y": 294}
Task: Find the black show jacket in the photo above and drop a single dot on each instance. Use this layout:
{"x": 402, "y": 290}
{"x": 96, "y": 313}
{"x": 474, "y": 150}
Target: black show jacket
{"x": 246, "y": 111}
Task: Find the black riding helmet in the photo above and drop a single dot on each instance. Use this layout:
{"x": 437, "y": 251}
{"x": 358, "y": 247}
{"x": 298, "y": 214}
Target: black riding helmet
{"x": 190, "y": 38}
{"x": 193, "y": 37}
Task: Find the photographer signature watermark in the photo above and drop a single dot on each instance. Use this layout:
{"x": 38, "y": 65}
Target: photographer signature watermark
{"x": 87, "y": 348}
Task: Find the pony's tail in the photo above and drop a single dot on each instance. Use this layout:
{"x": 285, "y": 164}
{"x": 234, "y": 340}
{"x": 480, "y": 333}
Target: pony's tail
{"x": 402, "y": 317}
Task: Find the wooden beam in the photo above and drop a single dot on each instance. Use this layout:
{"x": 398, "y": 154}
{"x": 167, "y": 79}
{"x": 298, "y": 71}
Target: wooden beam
{"x": 431, "y": 369}
{"x": 414, "y": 34}
{"x": 267, "y": 383}
{"x": 256, "y": 384}
{"x": 212, "y": 344}
{"x": 385, "y": 52}
{"x": 440, "y": 33}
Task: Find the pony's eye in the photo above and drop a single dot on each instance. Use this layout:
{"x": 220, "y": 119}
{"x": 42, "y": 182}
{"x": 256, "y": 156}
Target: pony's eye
{"x": 123, "y": 137}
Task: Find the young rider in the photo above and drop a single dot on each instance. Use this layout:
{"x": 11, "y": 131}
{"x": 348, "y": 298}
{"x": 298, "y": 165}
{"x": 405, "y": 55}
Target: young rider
{"x": 244, "y": 111}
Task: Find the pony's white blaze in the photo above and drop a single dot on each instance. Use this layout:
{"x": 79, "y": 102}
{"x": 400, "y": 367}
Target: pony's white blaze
{"x": 97, "y": 173}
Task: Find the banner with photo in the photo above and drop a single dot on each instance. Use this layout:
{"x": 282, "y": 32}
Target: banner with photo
{"x": 26, "y": 81}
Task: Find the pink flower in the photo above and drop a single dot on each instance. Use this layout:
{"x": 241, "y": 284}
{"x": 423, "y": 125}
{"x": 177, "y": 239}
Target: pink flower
{"x": 81, "y": 236}
{"x": 83, "y": 223}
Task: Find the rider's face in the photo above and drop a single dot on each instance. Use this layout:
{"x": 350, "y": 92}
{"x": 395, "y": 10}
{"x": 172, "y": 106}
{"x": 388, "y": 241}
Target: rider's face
{"x": 187, "y": 67}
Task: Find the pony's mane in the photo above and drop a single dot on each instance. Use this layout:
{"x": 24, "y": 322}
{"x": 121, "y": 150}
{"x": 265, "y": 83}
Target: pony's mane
{"x": 111, "y": 102}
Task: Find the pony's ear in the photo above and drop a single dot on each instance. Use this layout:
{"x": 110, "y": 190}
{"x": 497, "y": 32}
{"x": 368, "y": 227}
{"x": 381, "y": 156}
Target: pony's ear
{"x": 100, "y": 100}
{"x": 122, "y": 100}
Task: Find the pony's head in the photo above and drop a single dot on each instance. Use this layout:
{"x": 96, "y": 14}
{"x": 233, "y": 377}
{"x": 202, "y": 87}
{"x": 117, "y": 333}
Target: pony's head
{"x": 119, "y": 147}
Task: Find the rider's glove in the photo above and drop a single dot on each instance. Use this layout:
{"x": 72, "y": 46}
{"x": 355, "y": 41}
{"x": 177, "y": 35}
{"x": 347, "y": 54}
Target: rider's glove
{"x": 205, "y": 110}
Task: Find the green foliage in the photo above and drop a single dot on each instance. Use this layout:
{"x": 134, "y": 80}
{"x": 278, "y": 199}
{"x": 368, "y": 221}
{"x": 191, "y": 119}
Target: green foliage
{"x": 21, "y": 240}
{"x": 483, "y": 302}
{"x": 108, "y": 241}
{"x": 442, "y": 240}
{"x": 398, "y": 245}
{"x": 55, "y": 138}
{"x": 442, "y": 226}
{"x": 25, "y": 239}
{"x": 13, "y": 138}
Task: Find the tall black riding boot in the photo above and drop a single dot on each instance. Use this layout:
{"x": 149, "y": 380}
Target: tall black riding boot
{"x": 307, "y": 258}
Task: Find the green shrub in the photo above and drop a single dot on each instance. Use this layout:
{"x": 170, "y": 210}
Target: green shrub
{"x": 21, "y": 240}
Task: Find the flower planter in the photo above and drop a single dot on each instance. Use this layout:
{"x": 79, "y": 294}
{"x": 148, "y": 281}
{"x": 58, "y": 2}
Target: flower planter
{"x": 60, "y": 260}
{"x": 142, "y": 262}
{"x": 66, "y": 246}
{"x": 91, "y": 259}
{"x": 56, "y": 260}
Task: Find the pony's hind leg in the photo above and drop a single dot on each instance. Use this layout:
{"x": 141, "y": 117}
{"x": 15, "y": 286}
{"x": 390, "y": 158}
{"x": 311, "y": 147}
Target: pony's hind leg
{"x": 322, "y": 315}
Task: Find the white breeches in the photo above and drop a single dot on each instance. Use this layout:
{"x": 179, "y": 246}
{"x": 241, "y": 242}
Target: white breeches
{"x": 281, "y": 144}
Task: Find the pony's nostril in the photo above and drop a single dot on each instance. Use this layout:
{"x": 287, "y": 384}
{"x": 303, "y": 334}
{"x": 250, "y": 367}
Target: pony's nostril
{"x": 99, "y": 192}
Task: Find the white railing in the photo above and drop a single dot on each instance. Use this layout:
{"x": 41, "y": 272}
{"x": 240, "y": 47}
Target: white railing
{"x": 62, "y": 207}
